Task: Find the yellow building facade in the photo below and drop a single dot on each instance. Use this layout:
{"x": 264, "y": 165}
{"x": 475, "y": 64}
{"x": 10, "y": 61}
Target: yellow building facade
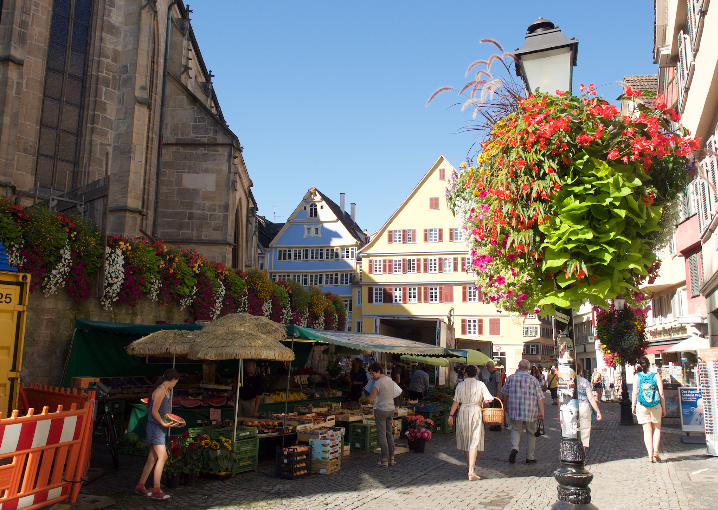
{"x": 414, "y": 284}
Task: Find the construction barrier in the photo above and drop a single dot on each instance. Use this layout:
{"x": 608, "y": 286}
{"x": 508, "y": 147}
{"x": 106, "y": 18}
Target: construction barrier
{"x": 43, "y": 457}
{"x": 39, "y": 396}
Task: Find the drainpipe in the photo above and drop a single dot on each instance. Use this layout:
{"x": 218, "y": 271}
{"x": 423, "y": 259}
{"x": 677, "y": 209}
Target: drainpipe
{"x": 155, "y": 219}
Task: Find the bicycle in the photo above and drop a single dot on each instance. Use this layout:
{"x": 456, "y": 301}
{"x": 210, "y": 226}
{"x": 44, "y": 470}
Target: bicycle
{"x": 104, "y": 418}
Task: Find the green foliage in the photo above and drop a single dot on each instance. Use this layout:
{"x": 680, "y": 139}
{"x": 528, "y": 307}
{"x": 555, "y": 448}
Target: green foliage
{"x": 258, "y": 282}
{"x": 281, "y": 294}
{"x": 46, "y": 232}
{"x": 85, "y": 240}
{"x": 300, "y": 295}
{"x": 339, "y": 306}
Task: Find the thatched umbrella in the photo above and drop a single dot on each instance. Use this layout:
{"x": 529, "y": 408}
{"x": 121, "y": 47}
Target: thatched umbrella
{"x": 241, "y": 336}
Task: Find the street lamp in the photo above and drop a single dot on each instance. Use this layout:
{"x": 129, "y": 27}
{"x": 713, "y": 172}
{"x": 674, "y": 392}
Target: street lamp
{"x": 546, "y": 59}
{"x": 546, "y": 62}
{"x": 626, "y": 409}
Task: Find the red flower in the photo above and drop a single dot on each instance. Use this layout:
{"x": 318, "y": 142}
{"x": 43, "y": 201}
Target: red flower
{"x": 613, "y": 154}
{"x": 185, "y": 434}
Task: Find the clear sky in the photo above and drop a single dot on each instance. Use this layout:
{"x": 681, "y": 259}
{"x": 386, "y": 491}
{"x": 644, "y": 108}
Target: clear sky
{"x": 332, "y": 94}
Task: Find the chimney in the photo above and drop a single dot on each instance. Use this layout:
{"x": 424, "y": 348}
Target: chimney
{"x": 341, "y": 201}
{"x": 354, "y": 212}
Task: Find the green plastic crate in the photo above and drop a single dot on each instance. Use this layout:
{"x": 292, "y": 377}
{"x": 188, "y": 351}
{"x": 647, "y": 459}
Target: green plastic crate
{"x": 362, "y": 431}
{"x": 249, "y": 464}
{"x": 364, "y": 445}
{"x": 228, "y": 432}
{"x": 198, "y": 431}
{"x": 442, "y": 425}
{"x": 244, "y": 448}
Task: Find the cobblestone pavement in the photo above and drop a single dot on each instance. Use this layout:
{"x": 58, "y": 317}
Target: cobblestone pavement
{"x": 686, "y": 479}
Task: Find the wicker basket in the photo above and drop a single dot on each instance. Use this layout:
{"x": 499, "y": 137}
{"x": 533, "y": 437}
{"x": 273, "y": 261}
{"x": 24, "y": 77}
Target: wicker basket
{"x": 493, "y": 415}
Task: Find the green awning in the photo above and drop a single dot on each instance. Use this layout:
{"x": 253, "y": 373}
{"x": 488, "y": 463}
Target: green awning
{"x": 470, "y": 356}
{"x": 121, "y": 328}
{"x": 426, "y": 360}
{"x": 369, "y": 342}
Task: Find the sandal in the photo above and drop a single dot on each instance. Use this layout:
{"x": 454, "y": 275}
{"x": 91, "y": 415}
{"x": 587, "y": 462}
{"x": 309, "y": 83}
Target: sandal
{"x": 656, "y": 457}
{"x": 473, "y": 478}
{"x": 382, "y": 464}
{"x": 392, "y": 462}
{"x": 650, "y": 460}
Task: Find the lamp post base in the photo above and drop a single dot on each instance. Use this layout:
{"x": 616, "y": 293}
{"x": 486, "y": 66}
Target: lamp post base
{"x": 626, "y": 405}
{"x": 573, "y": 478}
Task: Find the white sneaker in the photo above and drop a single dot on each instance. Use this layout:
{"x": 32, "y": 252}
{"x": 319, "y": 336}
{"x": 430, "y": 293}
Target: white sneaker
{"x": 509, "y": 427}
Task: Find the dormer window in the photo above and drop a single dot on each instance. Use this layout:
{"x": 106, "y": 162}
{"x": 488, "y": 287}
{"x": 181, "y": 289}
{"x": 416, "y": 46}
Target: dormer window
{"x": 313, "y": 210}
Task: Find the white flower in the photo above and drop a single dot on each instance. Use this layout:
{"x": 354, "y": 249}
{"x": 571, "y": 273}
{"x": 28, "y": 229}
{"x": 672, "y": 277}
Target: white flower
{"x": 267, "y": 308}
{"x": 304, "y": 319}
{"x": 13, "y": 255}
{"x": 155, "y": 286}
{"x": 114, "y": 276}
{"x": 287, "y": 315}
{"x": 218, "y": 300}
{"x": 243, "y": 304}
{"x": 187, "y": 301}
{"x": 319, "y": 324}
{"x": 56, "y": 279}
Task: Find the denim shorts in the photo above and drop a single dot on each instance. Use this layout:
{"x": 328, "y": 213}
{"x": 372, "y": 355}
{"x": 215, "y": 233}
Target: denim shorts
{"x": 156, "y": 434}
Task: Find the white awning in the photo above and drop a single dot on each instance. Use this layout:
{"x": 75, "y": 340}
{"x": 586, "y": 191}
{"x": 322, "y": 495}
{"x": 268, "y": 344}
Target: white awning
{"x": 694, "y": 343}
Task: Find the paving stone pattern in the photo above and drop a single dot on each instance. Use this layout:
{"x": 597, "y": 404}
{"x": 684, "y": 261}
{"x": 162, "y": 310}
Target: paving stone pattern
{"x": 686, "y": 479}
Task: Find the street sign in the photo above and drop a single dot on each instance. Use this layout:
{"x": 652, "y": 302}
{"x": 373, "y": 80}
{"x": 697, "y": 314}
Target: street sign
{"x": 562, "y": 317}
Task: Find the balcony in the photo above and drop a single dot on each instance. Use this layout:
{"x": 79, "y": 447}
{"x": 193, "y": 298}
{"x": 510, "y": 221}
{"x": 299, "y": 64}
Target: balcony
{"x": 688, "y": 237}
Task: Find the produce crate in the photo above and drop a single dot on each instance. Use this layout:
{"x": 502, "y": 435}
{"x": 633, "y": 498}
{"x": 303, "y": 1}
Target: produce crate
{"x": 364, "y": 445}
{"x": 244, "y": 465}
{"x": 292, "y": 463}
{"x": 198, "y": 431}
{"x": 352, "y": 406}
{"x": 326, "y": 467}
{"x": 363, "y": 431}
{"x": 245, "y": 448}
{"x": 442, "y": 425}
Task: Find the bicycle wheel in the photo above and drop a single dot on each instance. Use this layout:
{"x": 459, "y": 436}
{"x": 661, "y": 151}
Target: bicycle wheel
{"x": 111, "y": 437}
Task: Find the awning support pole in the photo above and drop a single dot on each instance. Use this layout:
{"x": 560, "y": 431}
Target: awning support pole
{"x": 286, "y": 396}
{"x": 236, "y": 401}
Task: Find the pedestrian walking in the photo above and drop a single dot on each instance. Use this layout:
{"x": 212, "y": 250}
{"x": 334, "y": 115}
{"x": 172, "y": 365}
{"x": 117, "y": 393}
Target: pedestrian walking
{"x": 649, "y": 406}
{"x": 159, "y": 405}
{"x": 586, "y": 402}
{"x": 597, "y": 381}
{"x": 419, "y": 384}
{"x": 493, "y": 383}
{"x": 552, "y": 381}
{"x": 523, "y": 400}
{"x": 471, "y": 394}
{"x": 382, "y": 396}
{"x": 358, "y": 378}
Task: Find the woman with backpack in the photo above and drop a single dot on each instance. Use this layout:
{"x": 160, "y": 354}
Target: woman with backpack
{"x": 649, "y": 406}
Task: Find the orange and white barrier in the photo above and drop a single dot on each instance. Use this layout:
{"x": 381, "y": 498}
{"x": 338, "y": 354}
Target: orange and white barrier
{"x": 48, "y": 453}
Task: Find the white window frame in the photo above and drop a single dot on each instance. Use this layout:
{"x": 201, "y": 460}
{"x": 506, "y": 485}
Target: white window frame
{"x": 408, "y": 236}
{"x": 433, "y": 264}
{"x": 347, "y": 304}
{"x": 396, "y": 266}
{"x": 378, "y": 295}
{"x": 345, "y": 278}
{"x": 448, "y": 263}
{"x": 358, "y": 326}
{"x": 297, "y": 254}
{"x": 313, "y": 209}
{"x": 396, "y": 236}
{"x": 531, "y": 331}
{"x": 458, "y": 235}
{"x": 411, "y": 293}
{"x": 377, "y": 269}
{"x": 411, "y": 265}
{"x": 433, "y": 235}
{"x": 359, "y": 296}
{"x": 472, "y": 294}
{"x": 472, "y": 327}
{"x": 533, "y": 349}
{"x": 398, "y": 295}
{"x": 316, "y": 279}
{"x": 433, "y": 295}
{"x": 305, "y": 279}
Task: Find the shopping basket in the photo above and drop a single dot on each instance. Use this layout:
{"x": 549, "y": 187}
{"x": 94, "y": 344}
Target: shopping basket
{"x": 493, "y": 415}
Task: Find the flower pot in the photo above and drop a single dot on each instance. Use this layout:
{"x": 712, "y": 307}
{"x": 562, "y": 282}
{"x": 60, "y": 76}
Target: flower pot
{"x": 174, "y": 481}
{"x": 188, "y": 479}
{"x": 411, "y": 445}
{"x": 419, "y": 445}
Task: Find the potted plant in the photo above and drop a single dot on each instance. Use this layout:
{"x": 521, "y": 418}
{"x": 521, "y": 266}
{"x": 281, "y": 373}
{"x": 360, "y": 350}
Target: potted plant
{"x": 191, "y": 456}
{"x": 174, "y": 464}
{"x": 419, "y": 432}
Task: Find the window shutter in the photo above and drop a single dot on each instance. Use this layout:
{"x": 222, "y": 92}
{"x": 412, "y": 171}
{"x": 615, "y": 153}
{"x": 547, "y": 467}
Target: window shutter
{"x": 370, "y": 269}
{"x": 403, "y": 295}
{"x": 455, "y": 264}
{"x": 694, "y": 277}
{"x": 449, "y": 294}
{"x": 494, "y": 327}
{"x": 403, "y": 266}
{"x": 442, "y": 174}
{"x": 464, "y": 294}
{"x": 710, "y": 166}
{"x": 390, "y": 235}
{"x": 418, "y": 265}
{"x": 419, "y": 295}
{"x": 426, "y": 235}
{"x": 388, "y": 295}
{"x": 426, "y": 265}
{"x": 463, "y": 326}
{"x": 451, "y": 235}
{"x": 479, "y": 294}
{"x": 403, "y": 236}
{"x": 480, "y": 326}
{"x": 413, "y": 235}
{"x": 383, "y": 266}
{"x": 441, "y": 234}
{"x": 440, "y": 269}
{"x": 463, "y": 264}
{"x": 370, "y": 295}
{"x": 441, "y": 294}
{"x": 426, "y": 294}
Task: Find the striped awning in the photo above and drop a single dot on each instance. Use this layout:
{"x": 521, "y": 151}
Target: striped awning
{"x": 370, "y": 342}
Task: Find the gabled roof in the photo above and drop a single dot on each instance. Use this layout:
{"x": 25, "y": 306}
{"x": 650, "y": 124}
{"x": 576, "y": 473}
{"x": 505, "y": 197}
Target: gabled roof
{"x": 377, "y": 234}
{"x": 642, "y": 82}
{"x": 344, "y": 218}
{"x": 267, "y": 230}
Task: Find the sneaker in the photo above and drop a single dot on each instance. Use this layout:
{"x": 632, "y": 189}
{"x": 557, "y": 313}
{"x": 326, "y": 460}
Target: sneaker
{"x": 509, "y": 427}
{"x": 140, "y": 489}
{"x": 512, "y": 456}
{"x": 159, "y": 495}
{"x": 530, "y": 461}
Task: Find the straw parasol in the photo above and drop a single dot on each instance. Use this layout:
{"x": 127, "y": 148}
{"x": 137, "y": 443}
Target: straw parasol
{"x": 168, "y": 342}
{"x": 241, "y": 336}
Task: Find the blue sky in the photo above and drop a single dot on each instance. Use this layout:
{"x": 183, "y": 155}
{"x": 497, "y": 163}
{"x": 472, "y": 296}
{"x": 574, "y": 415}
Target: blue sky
{"x": 332, "y": 94}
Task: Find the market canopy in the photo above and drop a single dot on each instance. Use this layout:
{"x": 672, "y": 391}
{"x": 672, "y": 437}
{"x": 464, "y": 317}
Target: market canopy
{"x": 470, "y": 356}
{"x": 426, "y": 360}
{"x": 168, "y": 342}
{"x": 369, "y": 342}
{"x": 694, "y": 343}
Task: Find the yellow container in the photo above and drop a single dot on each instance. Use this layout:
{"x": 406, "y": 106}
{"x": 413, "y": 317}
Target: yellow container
{"x": 14, "y": 293}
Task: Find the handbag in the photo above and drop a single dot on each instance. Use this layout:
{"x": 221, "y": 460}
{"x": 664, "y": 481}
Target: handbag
{"x": 540, "y": 429}
{"x": 397, "y": 390}
{"x": 593, "y": 416}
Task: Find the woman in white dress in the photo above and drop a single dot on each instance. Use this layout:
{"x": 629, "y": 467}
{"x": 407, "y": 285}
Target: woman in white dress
{"x": 471, "y": 394}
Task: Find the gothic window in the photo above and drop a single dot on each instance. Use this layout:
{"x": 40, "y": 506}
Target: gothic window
{"x": 61, "y": 121}
{"x": 313, "y": 211}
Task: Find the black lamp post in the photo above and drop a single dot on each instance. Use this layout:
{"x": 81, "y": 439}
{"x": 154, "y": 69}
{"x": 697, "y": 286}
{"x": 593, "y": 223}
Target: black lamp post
{"x": 546, "y": 62}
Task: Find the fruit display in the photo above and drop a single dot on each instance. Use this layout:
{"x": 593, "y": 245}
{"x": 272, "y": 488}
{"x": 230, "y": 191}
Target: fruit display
{"x": 176, "y": 402}
{"x": 173, "y": 419}
{"x": 145, "y": 400}
{"x": 294, "y": 396}
{"x": 190, "y": 402}
{"x": 218, "y": 402}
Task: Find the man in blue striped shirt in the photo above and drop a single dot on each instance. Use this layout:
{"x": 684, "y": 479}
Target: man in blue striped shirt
{"x": 523, "y": 401}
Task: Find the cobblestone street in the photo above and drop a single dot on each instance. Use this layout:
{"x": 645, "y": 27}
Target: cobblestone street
{"x": 686, "y": 479}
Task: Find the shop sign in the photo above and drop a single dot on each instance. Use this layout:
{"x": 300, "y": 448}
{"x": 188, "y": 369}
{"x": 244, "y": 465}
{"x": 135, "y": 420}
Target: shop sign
{"x": 673, "y": 331}
{"x": 497, "y": 348}
{"x": 709, "y": 354}
{"x": 691, "y": 405}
